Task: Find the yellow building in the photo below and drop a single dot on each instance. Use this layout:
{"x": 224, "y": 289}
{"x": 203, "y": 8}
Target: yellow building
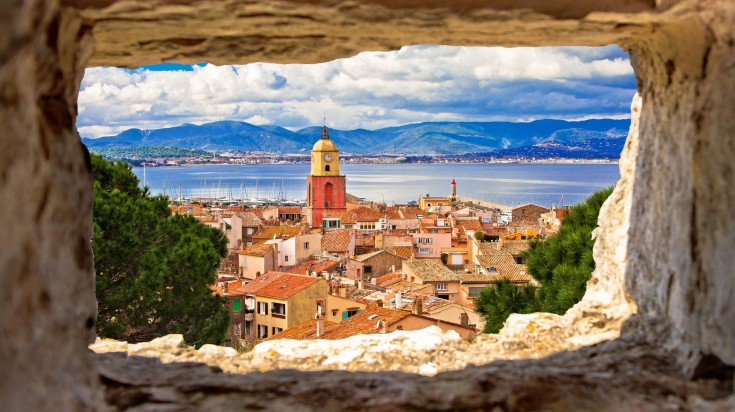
{"x": 339, "y": 308}
{"x": 427, "y": 202}
{"x": 282, "y": 300}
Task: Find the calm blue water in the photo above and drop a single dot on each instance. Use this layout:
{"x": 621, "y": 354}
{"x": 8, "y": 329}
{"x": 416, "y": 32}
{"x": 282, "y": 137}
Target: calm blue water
{"x": 509, "y": 184}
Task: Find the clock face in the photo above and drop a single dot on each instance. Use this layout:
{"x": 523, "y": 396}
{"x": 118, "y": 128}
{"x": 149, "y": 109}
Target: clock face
{"x": 328, "y": 157}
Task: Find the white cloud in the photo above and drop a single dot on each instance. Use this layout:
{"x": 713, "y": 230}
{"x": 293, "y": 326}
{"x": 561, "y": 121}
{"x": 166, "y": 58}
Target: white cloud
{"x": 370, "y": 90}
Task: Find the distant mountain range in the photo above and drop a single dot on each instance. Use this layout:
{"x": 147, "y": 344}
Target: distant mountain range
{"x": 593, "y": 138}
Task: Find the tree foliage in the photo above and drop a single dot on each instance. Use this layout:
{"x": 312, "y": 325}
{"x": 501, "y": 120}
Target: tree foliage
{"x": 153, "y": 269}
{"x": 562, "y": 264}
{"x": 496, "y": 303}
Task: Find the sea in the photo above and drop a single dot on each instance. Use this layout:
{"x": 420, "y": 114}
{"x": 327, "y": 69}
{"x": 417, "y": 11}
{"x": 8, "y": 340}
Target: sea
{"x": 508, "y": 184}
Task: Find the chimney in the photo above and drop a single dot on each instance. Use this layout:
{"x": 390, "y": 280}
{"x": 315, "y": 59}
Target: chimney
{"x": 380, "y": 303}
{"x": 319, "y": 320}
{"x": 319, "y": 325}
{"x": 373, "y": 281}
{"x": 399, "y": 299}
{"x": 464, "y": 319}
{"x": 418, "y": 307}
{"x": 359, "y": 284}
{"x": 392, "y": 268}
{"x": 343, "y": 291}
{"x": 224, "y": 287}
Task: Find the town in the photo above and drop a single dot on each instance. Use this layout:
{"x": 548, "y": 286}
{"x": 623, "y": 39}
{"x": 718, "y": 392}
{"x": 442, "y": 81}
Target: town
{"x": 343, "y": 265}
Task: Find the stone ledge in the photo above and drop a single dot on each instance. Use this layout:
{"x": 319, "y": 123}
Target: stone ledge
{"x": 427, "y": 351}
{"x": 616, "y": 375}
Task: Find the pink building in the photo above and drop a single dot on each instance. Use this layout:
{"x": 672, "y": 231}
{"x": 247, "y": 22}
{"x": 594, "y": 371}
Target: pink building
{"x": 429, "y": 245}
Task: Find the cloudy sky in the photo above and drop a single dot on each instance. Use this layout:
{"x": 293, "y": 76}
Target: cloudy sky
{"x": 370, "y": 90}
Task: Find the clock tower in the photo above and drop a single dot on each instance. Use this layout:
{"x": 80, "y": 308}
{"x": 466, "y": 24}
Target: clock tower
{"x": 325, "y": 187}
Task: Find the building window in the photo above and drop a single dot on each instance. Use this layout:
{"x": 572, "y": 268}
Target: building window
{"x": 236, "y": 305}
{"x": 475, "y": 292}
{"x": 286, "y": 258}
{"x": 519, "y": 260}
{"x": 423, "y": 240}
{"x": 368, "y": 269}
{"x": 262, "y": 308}
{"x": 306, "y": 245}
{"x": 276, "y": 330}
{"x": 326, "y": 168}
{"x": 278, "y": 309}
{"x": 424, "y": 250}
{"x": 262, "y": 331}
{"x": 350, "y": 312}
{"x": 328, "y": 195}
{"x": 440, "y": 286}
{"x": 367, "y": 225}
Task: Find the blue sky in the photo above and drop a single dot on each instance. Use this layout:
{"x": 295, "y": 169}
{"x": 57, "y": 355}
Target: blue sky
{"x": 370, "y": 90}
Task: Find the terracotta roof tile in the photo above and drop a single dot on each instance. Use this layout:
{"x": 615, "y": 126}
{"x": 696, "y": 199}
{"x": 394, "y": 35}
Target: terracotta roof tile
{"x": 337, "y": 241}
{"x": 260, "y": 249}
{"x": 412, "y": 212}
{"x": 358, "y": 214}
{"x": 304, "y": 330}
{"x": 250, "y": 219}
{"x": 315, "y": 265}
{"x": 280, "y": 285}
{"x": 363, "y": 323}
{"x": 289, "y": 210}
{"x": 469, "y": 225}
{"x": 432, "y": 270}
{"x": 388, "y": 279}
{"x": 283, "y": 232}
{"x": 403, "y": 251}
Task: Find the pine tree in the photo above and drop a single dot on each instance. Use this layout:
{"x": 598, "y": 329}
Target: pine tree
{"x": 153, "y": 270}
{"x": 562, "y": 264}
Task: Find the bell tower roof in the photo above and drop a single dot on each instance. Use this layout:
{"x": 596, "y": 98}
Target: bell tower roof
{"x": 325, "y": 144}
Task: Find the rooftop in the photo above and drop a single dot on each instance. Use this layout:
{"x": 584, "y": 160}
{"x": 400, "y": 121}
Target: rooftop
{"x": 250, "y": 219}
{"x": 281, "y": 232}
{"x": 260, "y": 249}
{"x": 280, "y": 285}
{"x": 337, "y": 241}
{"x": 363, "y": 323}
{"x": 315, "y": 265}
{"x": 431, "y": 270}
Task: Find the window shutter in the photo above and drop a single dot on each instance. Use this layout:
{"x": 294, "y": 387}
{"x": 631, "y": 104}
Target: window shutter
{"x": 236, "y": 305}
{"x": 345, "y": 315}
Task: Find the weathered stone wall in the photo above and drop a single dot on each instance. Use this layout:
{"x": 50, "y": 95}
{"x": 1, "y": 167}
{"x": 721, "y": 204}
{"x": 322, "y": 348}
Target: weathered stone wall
{"x": 46, "y": 276}
{"x": 681, "y": 263}
{"x": 666, "y": 239}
